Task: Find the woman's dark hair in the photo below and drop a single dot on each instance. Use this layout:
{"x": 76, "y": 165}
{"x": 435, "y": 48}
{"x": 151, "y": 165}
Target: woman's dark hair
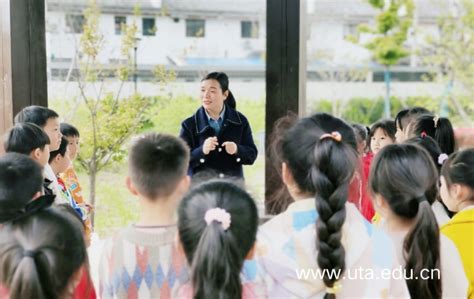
{"x": 406, "y": 116}
{"x": 20, "y": 179}
{"x": 440, "y": 129}
{"x": 224, "y": 83}
{"x": 216, "y": 255}
{"x": 324, "y": 167}
{"x": 69, "y": 130}
{"x": 40, "y": 254}
{"x": 387, "y": 125}
{"x": 406, "y": 177}
{"x": 24, "y": 138}
{"x": 458, "y": 169}
{"x": 60, "y": 151}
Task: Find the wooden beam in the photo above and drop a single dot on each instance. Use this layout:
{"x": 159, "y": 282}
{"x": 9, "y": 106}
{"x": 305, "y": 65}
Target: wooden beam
{"x": 282, "y": 76}
{"x": 28, "y": 48}
{"x": 6, "y": 105}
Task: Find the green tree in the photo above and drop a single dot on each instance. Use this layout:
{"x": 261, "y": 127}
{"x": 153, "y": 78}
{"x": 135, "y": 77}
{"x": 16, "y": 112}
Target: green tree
{"x": 451, "y": 53}
{"x": 110, "y": 118}
{"x": 388, "y": 36}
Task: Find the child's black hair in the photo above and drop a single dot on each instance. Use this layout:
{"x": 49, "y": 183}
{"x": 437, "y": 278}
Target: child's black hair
{"x": 406, "y": 177}
{"x": 60, "y": 151}
{"x": 387, "y": 125}
{"x": 24, "y": 138}
{"x": 458, "y": 169}
{"x": 224, "y": 83}
{"x": 439, "y": 128}
{"x": 431, "y": 146}
{"x": 69, "y": 130}
{"x": 20, "y": 179}
{"x": 157, "y": 162}
{"x": 40, "y": 254}
{"x": 324, "y": 167}
{"x": 406, "y": 116}
{"x": 215, "y": 253}
{"x": 38, "y": 115}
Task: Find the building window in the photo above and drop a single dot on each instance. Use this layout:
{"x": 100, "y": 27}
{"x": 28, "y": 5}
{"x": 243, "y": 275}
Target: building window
{"x": 148, "y": 26}
{"x": 195, "y": 28}
{"x": 120, "y": 22}
{"x": 249, "y": 29}
{"x": 350, "y": 29}
{"x": 75, "y": 23}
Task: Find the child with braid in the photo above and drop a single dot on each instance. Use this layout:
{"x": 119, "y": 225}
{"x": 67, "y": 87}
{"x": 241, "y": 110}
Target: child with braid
{"x": 320, "y": 232}
{"x": 403, "y": 182}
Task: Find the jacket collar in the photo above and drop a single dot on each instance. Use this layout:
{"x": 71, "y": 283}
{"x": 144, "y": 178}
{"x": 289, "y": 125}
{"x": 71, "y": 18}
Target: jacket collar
{"x": 202, "y": 123}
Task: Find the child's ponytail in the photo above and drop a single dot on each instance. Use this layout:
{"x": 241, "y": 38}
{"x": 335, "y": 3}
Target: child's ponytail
{"x": 213, "y": 266}
{"x": 405, "y": 176}
{"x": 438, "y": 128}
{"x": 444, "y": 135}
{"x": 28, "y": 280}
{"x": 40, "y": 253}
{"x": 422, "y": 250}
{"x": 217, "y": 228}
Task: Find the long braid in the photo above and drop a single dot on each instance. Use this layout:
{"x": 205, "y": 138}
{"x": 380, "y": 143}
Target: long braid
{"x": 333, "y": 168}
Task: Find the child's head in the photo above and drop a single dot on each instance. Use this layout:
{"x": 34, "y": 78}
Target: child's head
{"x": 457, "y": 180}
{"x": 21, "y": 181}
{"x": 28, "y": 139}
{"x": 42, "y": 254}
{"x": 217, "y": 228}
{"x": 403, "y": 182}
{"x": 320, "y": 158}
{"x": 439, "y": 128}
{"x": 431, "y": 146}
{"x": 382, "y": 133}
{"x": 72, "y": 136}
{"x": 158, "y": 165}
{"x": 45, "y": 118}
{"x": 59, "y": 159}
{"x": 404, "y": 118}
{"x": 361, "y": 137}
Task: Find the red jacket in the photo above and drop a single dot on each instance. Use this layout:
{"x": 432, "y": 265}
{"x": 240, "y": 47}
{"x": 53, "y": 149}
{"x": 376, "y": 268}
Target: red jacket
{"x": 358, "y": 189}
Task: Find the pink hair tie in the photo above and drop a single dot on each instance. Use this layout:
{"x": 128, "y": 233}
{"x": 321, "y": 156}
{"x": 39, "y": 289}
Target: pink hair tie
{"x": 219, "y": 215}
{"x": 423, "y": 134}
{"x": 334, "y": 135}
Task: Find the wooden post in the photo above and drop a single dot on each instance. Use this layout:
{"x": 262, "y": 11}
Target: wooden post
{"x": 23, "y": 57}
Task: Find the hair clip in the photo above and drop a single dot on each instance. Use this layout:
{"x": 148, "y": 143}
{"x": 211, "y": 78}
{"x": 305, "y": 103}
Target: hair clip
{"x": 443, "y": 157}
{"x": 423, "y": 134}
{"x": 334, "y": 135}
{"x": 436, "y": 119}
{"x": 219, "y": 215}
{"x": 336, "y": 288}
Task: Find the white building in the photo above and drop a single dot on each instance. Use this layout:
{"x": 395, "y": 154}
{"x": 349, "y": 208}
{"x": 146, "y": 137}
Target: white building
{"x": 195, "y": 36}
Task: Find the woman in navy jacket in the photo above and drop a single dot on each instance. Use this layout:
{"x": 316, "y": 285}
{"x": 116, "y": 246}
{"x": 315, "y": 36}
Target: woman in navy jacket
{"x": 219, "y": 137}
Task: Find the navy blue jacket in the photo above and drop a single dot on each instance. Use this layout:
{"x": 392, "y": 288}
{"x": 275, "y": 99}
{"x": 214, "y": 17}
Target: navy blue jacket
{"x": 235, "y": 127}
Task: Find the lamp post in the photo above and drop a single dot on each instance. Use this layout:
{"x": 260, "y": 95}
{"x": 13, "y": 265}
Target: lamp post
{"x": 135, "y": 71}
